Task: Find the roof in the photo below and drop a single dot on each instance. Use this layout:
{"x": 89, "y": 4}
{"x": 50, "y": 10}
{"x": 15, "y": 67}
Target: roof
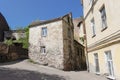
{"x": 36, "y": 23}
{"x": 77, "y": 21}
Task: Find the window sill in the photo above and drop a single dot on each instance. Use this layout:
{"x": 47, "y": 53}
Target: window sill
{"x": 97, "y": 73}
{"x": 43, "y": 36}
{"x": 111, "y": 77}
{"x": 43, "y": 53}
{"x": 93, "y": 36}
{"x": 103, "y": 29}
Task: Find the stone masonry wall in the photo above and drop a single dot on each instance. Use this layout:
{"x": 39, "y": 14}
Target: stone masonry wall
{"x": 53, "y": 43}
{"x": 68, "y": 39}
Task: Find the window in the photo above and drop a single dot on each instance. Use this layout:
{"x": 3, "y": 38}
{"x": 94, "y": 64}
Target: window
{"x": 44, "y": 31}
{"x": 43, "y": 50}
{"x": 97, "y": 69}
{"x": 93, "y": 27}
{"x": 103, "y": 18}
{"x": 109, "y": 63}
{"x": 90, "y": 2}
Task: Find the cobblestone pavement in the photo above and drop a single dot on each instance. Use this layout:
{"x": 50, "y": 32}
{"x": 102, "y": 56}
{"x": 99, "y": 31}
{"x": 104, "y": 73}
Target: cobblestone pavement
{"x": 24, "y": 70}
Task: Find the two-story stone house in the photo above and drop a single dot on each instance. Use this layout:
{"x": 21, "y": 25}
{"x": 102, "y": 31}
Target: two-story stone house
{"x": 3, "y": 27}
{"x": 52, "y": 43}
{"x": 102, "y": 24}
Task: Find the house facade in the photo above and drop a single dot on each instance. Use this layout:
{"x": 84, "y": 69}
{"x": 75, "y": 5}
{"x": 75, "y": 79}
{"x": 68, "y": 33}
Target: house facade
{"x": 3, "y": 27}
{"x": 52, "y": 44}
{"x": 101, "y": 18}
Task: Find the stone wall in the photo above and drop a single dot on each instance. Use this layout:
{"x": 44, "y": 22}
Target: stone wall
{"x": 68, "y": 38}
{"x": 59, "y": 44}
{"x": 12, "y": 52}
{"x": 79, "y": 58}
{"x": 53, "y": 43}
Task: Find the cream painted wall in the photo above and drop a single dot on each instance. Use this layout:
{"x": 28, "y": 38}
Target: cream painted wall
{"x": 113, "y": 27}
{"x": 115, "y": 50}
{"x": 112, "y": 11}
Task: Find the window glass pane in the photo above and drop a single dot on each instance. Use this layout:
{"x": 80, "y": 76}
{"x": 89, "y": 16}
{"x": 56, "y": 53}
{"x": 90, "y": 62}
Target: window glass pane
{"x": 93, "y": 26}
{"x": 103, "y": 17}
{"x": 44, "y": 31}
{"x": 109, "y": 63}
{"x": 43, "y": 49}
{"x": 97, "y": 69}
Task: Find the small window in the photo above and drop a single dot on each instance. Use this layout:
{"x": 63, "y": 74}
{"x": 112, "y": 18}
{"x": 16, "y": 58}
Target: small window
{"x": 93, "y": 27}
{"x": 103, "y": 18}
{"x": 43, "y": 50}
{"x": 44, "y": 31}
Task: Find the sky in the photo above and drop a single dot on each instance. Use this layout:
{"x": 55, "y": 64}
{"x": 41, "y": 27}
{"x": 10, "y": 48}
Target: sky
{"x": 20, "y": 13}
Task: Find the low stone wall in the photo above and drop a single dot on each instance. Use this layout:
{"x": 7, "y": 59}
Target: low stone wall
{"x": 12, "y": 52}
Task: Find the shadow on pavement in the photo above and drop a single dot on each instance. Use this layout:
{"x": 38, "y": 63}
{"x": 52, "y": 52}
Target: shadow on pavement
{"x": 12, "y": 62}
{"x": 16, "y": 74}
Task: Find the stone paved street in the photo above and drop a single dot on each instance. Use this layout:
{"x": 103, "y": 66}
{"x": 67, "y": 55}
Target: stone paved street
{"x": 24, "y": 70}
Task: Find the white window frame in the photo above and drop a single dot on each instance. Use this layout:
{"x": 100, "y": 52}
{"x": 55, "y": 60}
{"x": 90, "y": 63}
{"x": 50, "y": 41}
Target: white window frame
{"x": 110, "y": 67}
{"x": 44, "y": 31}
{"x": 97, "y": 67}
{"x": 103, "y": 17}
{"x": 43, "y": 50}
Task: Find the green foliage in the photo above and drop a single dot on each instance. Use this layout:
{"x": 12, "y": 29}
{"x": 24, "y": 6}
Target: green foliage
{"x": 8, "y": 42}
{"x": 82, "y": 39}
{"x": 24, "y": 40}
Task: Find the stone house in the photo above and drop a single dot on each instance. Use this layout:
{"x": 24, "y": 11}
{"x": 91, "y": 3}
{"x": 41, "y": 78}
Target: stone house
{"x": 3, "y": 27}
{"x": 52, "y": 43}
{"x": 101, "y": 18}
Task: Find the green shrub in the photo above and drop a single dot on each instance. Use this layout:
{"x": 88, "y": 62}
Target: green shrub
{"x": 8, "y": 42}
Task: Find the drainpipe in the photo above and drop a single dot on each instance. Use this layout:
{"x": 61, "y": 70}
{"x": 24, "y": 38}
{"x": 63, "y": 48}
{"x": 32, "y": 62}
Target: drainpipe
{"x": 85, "y": 41}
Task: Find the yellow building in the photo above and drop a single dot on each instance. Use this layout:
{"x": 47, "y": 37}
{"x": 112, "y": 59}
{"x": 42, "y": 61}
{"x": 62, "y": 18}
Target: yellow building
{"x": 103, "y": 36}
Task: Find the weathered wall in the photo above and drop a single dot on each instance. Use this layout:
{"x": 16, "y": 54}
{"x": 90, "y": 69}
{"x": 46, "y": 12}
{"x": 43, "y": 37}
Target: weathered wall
{"x": 12, "y": 52}
{"x": 53, "y": 43}
{"x": 79, "y": 58}
{"x": 59, "y": 44}
{"x": 68, "y": 38}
